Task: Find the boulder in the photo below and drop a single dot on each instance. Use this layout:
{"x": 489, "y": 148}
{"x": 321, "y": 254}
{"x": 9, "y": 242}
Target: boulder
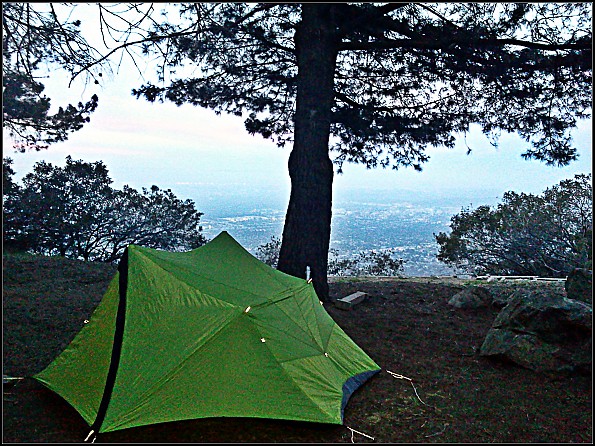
{"x": 471, "y": 297}
{"x": 579, "y": 285}
{"x": 542, "y": 331}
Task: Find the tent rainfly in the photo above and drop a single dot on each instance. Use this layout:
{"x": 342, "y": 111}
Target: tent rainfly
{"x": 212, "y": 332}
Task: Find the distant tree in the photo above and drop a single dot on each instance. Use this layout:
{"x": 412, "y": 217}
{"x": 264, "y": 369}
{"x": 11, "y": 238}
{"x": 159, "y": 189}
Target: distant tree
{"x": 72, "y": 211}
{"x": 338, "y": 266}
{"x": 545, "y": 235}
{"x": 371, "y": 83}
{"x": 31, "y": 38}
{"x": 381, "y": 263}
{"x": 570, "y": 207}
{"x": 60, "y": 208}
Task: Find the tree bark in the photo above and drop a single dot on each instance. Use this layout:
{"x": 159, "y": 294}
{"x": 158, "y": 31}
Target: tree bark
{"x": 307, "y": 229}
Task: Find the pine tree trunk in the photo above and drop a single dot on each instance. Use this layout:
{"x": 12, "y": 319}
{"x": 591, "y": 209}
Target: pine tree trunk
{"x": 306, "y": 234}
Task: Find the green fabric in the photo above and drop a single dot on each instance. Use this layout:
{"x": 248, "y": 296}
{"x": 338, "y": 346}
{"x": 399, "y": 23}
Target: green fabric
{"x": 78, "y": 374}
{"x": 209, "y": 333}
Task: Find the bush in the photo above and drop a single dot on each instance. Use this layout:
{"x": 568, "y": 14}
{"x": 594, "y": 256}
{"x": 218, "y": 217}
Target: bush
{"x": 545, "y": 235}
{"x": 11, "y": 231}
{"x": 72, "y": 211}
{"x": 364, "y": 264}
{"x": 371, "y": 263}
{"x": 269, "y": 252}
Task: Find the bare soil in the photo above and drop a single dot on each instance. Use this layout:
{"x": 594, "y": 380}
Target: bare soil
{"x": 448, "y": 393}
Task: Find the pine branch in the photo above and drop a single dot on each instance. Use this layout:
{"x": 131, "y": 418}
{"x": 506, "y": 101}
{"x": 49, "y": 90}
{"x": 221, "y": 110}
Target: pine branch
{"x": 452, "y": 43}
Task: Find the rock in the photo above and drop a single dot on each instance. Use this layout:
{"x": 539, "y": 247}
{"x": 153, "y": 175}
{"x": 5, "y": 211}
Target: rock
{"x": 500, "y": 298}
{"x": 502, "y": 292}
{"x": 579, "y": 285}
{"x": 471, "y": 297}
{"x": 542, "y": 331}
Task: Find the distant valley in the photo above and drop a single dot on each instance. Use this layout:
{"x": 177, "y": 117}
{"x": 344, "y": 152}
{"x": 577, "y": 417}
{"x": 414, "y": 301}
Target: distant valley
{"x": 399, "y": 221}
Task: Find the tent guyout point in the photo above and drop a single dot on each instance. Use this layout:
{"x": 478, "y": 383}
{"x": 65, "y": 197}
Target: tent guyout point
{"x": 212, "y": 332}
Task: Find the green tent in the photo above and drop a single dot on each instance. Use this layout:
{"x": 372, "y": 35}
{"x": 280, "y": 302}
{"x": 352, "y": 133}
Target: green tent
{"x": 212, "y": 332}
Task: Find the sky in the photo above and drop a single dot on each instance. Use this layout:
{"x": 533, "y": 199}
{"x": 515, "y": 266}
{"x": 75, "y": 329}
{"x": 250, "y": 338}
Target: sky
{"x": 187, "y": 147}
{"x": 194, "y": 151}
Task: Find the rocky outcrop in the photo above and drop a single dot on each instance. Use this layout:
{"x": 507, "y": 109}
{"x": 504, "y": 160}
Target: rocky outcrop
{"x": 496, "y": 296}
{"x": 542, "y": 331}
{"x": 579, "y": 285}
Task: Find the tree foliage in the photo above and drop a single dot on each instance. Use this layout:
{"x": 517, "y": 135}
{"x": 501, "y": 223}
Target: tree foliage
{"x": 72, "y": 211}
{"x": 10, "y": 194}
{"x": 370, "y": 263}
{"x": 269, "y": 252}
{"x": 546, "y": 235}
{"x": 407, "y": 76}
{"x": 32, "y": 38}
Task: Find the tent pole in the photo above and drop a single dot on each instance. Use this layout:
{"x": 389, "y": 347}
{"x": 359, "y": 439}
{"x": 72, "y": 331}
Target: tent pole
{"x": 117, "y": 345}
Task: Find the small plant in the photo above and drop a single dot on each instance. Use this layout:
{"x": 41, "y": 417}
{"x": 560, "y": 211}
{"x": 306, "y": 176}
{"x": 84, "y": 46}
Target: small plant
{"x": 269, "y": 252}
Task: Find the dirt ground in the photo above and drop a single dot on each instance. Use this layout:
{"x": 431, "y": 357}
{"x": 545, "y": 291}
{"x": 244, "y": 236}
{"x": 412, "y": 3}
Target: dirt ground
{"x": 452, "y": 395}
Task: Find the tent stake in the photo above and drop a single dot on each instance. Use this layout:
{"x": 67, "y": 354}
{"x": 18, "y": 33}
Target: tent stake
{"x": 358, "y": 432}
{"x": 89, "y": 436}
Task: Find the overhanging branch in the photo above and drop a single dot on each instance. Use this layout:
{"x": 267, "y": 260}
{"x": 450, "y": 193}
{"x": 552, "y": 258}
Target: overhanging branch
{"x": 447, "y": 45}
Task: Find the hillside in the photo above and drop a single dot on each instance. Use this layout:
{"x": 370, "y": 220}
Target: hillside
{"x": 405, "y": 325}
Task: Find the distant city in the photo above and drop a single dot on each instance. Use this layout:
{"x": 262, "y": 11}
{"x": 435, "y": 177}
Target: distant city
{"x": 401, "y": 222}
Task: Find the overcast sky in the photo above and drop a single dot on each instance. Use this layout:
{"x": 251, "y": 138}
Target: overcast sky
{"x": 145, "y": 143}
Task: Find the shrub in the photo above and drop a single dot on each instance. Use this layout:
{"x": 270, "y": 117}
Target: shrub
{"x": 72, "y": 211}
{"x": 544, "y": 235}
{"x": 364, "y": 264}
